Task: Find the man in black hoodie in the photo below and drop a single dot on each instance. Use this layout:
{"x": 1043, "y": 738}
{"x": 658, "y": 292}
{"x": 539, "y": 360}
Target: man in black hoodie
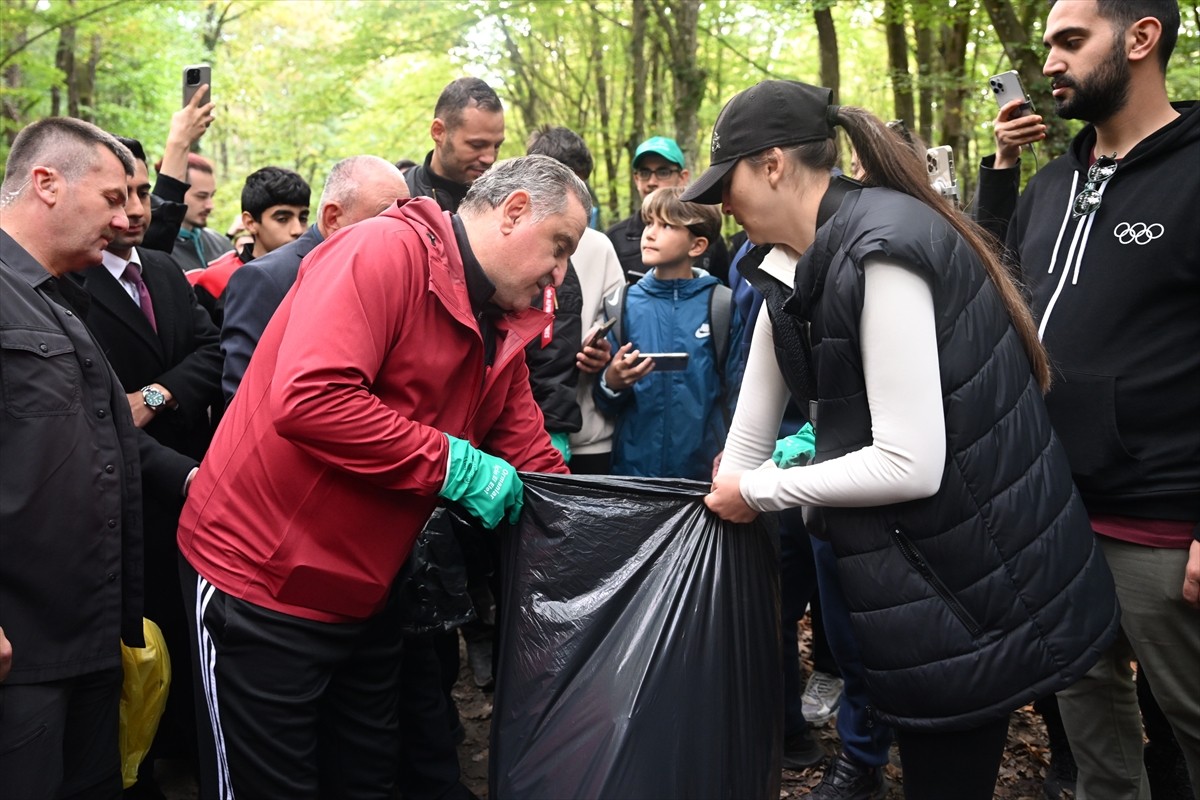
{"x": 1106, "y": 239}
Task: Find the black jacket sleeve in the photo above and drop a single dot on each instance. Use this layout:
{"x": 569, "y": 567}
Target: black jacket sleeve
{"x": 552, "y": 371}
{"x": 996, "y": 197}
{"x": 166, "y": 200}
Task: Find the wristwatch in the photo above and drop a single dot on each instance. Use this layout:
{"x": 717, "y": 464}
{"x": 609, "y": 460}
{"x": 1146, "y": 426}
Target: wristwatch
{"x": 154, "y": 399}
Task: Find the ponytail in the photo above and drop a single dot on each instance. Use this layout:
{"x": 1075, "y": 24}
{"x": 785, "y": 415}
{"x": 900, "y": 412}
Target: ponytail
{"x": 891, "y": 163}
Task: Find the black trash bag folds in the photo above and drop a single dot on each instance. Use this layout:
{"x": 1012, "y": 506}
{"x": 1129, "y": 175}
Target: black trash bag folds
{"x": 639, "y": 647}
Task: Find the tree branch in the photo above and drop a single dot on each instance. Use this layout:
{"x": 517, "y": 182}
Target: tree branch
{"x": 62, "y": 23}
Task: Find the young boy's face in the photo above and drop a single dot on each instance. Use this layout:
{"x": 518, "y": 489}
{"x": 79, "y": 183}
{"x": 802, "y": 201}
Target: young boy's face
{"x": 279, "y": 225}
{"x": 666, "y": 245}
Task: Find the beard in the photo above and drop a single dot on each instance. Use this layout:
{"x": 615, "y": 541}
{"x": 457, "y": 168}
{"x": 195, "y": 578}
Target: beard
{"x": 455, "y": 169}
{"x": 1101, "y": 94}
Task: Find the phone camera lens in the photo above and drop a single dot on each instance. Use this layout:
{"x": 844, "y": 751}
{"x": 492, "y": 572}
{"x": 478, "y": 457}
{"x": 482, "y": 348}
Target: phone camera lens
{"x": 193, "y": 76}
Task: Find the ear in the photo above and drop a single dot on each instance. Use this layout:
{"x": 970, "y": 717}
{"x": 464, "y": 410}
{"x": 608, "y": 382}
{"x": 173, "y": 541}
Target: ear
{"x": 330, "y": 219}
{"x": 699, "y": 245}
{"x": 773, "y": 166}
{"x": 685, "y": 176}
{"x": 514, "y": 207}
{"x": 249, "y": 224}
{"x": 1142, "y": 37}
{"x": 46, "y": 182}
{"x": 438, "y": 130}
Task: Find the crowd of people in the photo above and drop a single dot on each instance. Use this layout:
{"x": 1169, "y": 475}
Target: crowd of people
{"x": 980, "y": 432}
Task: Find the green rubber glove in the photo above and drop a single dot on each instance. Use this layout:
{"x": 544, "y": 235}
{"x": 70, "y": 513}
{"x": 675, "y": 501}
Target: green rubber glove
{"x": 797, "y": 449}
{"x": 488, "y": 487}
{"x": 562, "y": 443}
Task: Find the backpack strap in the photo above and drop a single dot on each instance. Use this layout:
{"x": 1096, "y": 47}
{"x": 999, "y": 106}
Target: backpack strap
{"x": 720, "y": 309}
{"x": 614, "y": 308}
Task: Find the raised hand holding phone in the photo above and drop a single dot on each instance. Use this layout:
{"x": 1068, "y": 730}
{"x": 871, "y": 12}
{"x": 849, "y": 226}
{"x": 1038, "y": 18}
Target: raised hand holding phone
{"x": 189, "y": 123}
{"x": 1016, "y": 125}
{"x": 1013, "y": 133}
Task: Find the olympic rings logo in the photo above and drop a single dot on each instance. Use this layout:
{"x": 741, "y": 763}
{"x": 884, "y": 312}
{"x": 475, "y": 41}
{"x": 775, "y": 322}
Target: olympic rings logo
{"x": 1138, "y": 232}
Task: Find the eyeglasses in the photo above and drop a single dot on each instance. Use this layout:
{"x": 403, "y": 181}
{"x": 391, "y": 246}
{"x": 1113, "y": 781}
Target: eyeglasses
{"x": 1089, "y": 199}
{"x": 662, "y": 173}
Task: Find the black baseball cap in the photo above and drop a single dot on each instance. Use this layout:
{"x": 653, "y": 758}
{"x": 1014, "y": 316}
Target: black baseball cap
{"x": 768, "y": 114}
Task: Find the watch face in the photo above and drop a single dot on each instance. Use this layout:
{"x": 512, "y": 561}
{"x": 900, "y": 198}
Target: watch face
{"x": 154, "y": 398}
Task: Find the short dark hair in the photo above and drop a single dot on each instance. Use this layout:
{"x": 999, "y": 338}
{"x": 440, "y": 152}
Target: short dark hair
{"x": 562, "y": 144}
{"x": 273, "y": 186}
{"x": 1123, "y": 13}
{"x": 461, "y": 94}
{"x": 65, "y": 143}
{"x": 135, "y": 147}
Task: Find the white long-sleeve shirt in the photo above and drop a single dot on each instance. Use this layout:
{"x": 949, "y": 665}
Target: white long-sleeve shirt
{"x": 908, "y": 427}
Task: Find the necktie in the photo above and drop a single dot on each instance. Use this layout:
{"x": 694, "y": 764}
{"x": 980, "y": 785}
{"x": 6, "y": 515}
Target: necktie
{"x": 133, "y": 274}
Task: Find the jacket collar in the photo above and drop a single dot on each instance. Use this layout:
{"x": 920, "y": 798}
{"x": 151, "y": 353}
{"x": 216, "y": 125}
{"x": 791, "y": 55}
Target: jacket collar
{"x": 447, "y": 279}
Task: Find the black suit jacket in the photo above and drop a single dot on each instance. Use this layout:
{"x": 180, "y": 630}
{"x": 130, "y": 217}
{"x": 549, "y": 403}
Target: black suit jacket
{"x": 251, "y": 297}
{"x": 183, "y": 356}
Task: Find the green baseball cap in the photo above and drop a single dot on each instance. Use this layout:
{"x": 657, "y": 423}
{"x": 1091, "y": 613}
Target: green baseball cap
{"x": 660, "y": 145}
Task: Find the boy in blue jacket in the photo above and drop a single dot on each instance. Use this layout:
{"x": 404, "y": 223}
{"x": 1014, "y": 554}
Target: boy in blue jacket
{"x": 669, "y": 424}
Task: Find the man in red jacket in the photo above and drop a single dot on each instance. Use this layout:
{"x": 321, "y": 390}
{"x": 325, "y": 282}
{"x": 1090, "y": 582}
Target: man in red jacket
{"x": 392, "y": 376}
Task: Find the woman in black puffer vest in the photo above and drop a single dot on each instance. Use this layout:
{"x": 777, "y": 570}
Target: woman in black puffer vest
{"x": 965, "y": 554}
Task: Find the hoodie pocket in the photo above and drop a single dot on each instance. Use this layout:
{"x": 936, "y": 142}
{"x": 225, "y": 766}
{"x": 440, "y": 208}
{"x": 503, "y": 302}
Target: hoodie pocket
{"x": 917, "y": 561}
{"x": 1083, "y": 410}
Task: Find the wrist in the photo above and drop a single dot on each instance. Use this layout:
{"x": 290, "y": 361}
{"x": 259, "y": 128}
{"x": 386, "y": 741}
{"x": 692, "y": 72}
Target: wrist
{"x": 157, "y": 397}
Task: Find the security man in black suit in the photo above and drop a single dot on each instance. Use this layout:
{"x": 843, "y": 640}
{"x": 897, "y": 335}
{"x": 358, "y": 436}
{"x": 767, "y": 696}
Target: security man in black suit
{"x": 166, "y": 353}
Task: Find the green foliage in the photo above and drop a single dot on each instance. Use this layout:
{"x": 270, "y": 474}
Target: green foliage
{"x": 302, "y": 83}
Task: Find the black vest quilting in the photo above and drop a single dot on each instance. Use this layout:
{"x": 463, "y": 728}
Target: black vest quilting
{"x": 991, "y": 593}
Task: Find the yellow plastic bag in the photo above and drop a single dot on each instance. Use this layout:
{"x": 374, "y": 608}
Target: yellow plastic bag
{"x": 143, "y": 697}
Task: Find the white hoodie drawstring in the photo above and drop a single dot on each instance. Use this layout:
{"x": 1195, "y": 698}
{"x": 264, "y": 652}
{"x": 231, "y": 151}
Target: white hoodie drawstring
{"x": 1074, "y": 259}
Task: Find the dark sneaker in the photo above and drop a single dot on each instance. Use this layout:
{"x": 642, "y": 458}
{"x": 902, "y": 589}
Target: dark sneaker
{"x": 845, "y": 779}
{"x": 801, "y": 751}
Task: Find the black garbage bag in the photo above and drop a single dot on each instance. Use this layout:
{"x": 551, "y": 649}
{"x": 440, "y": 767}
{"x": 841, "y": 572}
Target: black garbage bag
{"x": 639, "y": 651}
{"x": 433, "y": 586}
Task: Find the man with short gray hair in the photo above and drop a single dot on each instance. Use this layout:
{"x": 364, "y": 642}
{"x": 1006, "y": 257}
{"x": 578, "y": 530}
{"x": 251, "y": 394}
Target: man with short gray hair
{"x": 337, "y": 451}
{"x": 70, "y": 521}
{"x": 358, "y": 188}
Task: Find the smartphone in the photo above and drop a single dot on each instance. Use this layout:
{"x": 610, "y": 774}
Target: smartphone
{"x": 597, "y": 334}
{"x": 939, "y": 161}
{"x": 1007, "y": 87}
{"x": 666, "y": 362}
{"x": 194, "y": 77}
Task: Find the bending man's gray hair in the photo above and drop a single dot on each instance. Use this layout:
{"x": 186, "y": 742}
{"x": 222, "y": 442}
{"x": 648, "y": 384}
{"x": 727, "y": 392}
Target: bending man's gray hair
{"x": 346, "y": 176}
{"x": 547, "y": 181}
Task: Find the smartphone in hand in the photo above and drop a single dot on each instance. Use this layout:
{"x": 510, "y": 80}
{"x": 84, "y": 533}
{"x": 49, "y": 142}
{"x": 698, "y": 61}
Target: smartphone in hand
{"x": 597, "y": 334}
{"x": 665, "y": 362}
{"x": 194, "y": 77}
{"x": 1007, "y": 87}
